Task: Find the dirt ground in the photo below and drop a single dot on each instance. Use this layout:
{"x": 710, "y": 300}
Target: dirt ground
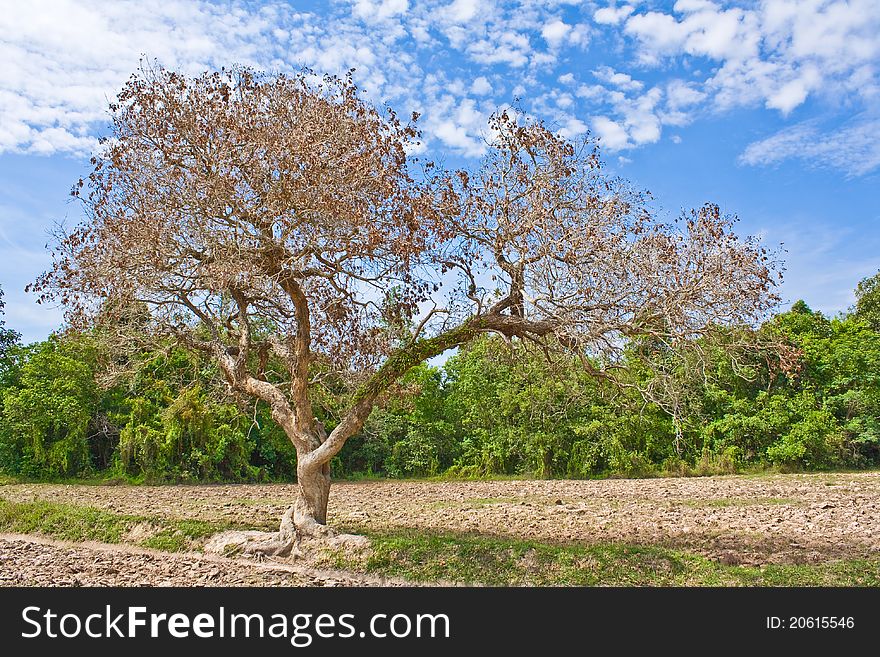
{"x": 734, "y": 519}
{"x": 39, "y": 561}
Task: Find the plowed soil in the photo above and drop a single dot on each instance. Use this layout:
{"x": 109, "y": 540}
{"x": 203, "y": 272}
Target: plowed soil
{"x": 39, "y": 561}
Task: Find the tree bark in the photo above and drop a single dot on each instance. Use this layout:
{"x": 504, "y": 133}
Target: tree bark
{"x": 547, "y": 472}
{"x": 310, "y": 506}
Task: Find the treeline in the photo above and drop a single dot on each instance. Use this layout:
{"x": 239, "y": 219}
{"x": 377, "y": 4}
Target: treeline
{"x": 491, "y": 409}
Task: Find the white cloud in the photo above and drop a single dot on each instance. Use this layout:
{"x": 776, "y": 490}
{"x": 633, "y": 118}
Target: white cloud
{"x": 640, "y": 117}
{"x": 705, "y": 30}
{"x": 591, "y": 92}
{"x": 554, "y": 32}
{"x": 617, "y": 79}
{"x": 508, "y": 47}
{"x": 481, "y": 86}
{"x": 456, "y": 136}
{"x": 372, "y": 10}
{"x": 681, "y": 97}
{"x": 573, "y": 128}
{"x": 693, "y": 5}
{"x": 636, "y": 115}
{"x": 854, "y": 147}
{"x": 777, "y": 53}
{"x": 461, "y": 11}
{"x": 579, "y": 35}
{"x": 794, "y": 92}
{"x": 564, "y": 101}
{"x": 659, "y": 33}
{"x": 681, "y": 94}
{"x": 611, "y": 134}
{"x": 612, "y": 15}
{"x": 65, "y": 60}
{"x": 459, "y": 125}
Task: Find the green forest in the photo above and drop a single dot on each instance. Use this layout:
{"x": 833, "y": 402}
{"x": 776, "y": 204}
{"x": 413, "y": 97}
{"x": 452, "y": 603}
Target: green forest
{"x": 493, "y": 408}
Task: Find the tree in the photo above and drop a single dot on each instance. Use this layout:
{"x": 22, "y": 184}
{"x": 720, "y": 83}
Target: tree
{"x": 8, "y": 342}
{"x": 281, "y": 217}
{"x": 868, "y": 300}
{"x": 48, "y": 413}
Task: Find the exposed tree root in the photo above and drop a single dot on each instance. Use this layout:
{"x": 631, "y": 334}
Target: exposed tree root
{"x": 291, "y": 540}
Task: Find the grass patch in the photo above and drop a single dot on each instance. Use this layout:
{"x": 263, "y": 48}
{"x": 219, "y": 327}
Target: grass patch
{"x": 80, "y": 523}
{"x": 181, "y": 535}
{"x": 470, "y": 559}
{"x": 103, "y": 479}
{"x": 63, "y": 521}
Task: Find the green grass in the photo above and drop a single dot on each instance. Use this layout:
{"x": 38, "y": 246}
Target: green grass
{"x": 106, "y": 478}
{"x": 70, "y": 523}
{"x": 114, "y": 478}
{"x": 181, "y": 535}
{"x": 81, "y": 523}
{"x": 422, "y": 557}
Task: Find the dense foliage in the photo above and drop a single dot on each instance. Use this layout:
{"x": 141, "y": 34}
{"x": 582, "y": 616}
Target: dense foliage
{"x": 493, "y": 408}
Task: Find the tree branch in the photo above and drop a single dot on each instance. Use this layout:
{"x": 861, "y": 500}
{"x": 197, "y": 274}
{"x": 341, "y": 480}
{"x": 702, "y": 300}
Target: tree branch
{"x": 405, "y": 358}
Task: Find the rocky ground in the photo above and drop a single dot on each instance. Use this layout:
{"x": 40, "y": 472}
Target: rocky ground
{"x": 735, "y": 519}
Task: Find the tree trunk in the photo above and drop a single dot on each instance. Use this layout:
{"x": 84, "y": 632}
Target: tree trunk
{"x": 305, "y": 519}
{"x": 548, "y": 464}
{"x": 310, "y": 506}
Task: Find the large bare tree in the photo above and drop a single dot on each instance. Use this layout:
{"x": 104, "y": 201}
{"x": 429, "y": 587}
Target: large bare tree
{"x": 280, "y": 217}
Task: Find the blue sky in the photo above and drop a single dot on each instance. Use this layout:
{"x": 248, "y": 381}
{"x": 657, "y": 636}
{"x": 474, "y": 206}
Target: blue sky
{"x": 770, "y": 108}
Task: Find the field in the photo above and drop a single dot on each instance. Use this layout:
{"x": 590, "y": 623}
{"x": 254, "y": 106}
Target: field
{"x": 816, "y": 529}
